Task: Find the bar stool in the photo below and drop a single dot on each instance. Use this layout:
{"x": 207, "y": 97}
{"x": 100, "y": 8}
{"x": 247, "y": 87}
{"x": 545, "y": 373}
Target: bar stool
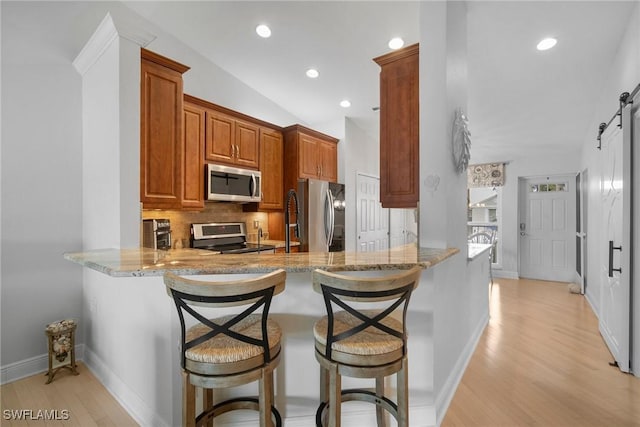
{"x": 363, "y": 343}
{"x": 231, "y": 350}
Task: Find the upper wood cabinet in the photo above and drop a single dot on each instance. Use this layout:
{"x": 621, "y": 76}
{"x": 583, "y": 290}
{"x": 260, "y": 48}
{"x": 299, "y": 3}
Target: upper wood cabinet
{"x": 161, "y": 132}
{"x": 193, "y": 159}
{"x": 309, "y": 154}
{"x": 232, "y": 141}
{"x": 271, "y": 158}
{"x": 399, "y": 128}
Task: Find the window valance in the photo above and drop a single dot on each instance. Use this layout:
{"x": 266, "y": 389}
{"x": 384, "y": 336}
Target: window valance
{"x": 485, "y": 175}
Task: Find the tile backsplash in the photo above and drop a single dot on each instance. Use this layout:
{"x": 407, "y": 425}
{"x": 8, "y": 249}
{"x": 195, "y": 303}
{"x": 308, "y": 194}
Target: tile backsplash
{"x": 213, "y": 212}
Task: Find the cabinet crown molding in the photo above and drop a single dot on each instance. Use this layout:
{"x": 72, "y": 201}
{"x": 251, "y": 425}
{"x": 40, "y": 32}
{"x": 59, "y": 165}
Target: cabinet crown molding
{"x": 398, "y": 54}
{"x": 164, "y": 61}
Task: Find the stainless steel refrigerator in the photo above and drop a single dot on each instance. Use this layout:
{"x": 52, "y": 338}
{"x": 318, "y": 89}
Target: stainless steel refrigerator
{"x": 322, "y": 208}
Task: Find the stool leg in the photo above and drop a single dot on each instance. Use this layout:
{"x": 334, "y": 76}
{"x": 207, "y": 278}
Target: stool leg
{"x": 265, "y": 397}
{"x": 72, "y": 349}
{"x": 324, "y": 385}
{"x": 380, "y": 412}
{"x": 403, "y": 394}
{"x": 335, "y": 396}
{"x": 207, "y": 402}
{"x": 50, "y": 371}
{"x": 188, "y": 401}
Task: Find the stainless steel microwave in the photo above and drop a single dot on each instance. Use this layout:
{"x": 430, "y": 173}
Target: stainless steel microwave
{"x": 229, "y": 184}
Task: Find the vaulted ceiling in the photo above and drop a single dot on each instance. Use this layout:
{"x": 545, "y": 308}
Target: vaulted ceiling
{"x": 521, "y": 101}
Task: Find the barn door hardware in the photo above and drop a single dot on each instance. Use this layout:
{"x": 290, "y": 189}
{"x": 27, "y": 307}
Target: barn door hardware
{"x": 624, "y": 99}
{"x": 611, "y": 249}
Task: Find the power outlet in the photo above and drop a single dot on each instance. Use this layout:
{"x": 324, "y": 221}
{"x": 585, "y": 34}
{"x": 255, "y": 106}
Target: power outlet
{"x": 256, "y": 224}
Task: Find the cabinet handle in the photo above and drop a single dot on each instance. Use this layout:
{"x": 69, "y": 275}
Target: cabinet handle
{"x": 237, "y": 151}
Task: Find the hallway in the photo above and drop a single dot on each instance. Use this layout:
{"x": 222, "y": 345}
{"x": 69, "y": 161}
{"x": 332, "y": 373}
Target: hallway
{"x": 542, "y": 362}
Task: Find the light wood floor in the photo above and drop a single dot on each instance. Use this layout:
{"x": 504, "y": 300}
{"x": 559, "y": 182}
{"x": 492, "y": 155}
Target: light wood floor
{"x": 541, "y": 362}
{"x": 88, "y": 403}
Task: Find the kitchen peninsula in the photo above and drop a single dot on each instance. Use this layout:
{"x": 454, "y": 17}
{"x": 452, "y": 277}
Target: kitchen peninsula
{"x": 134, "y": 326}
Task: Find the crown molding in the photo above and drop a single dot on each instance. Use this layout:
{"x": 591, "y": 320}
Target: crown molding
{"x": 108, "y": 31}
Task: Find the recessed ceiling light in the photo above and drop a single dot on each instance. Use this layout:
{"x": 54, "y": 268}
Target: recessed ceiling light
{"x": 345, "y": 103}
{"x": 263, "y": 31}
{"x": 312, "y": 73}
{"x": 396, "y": 43}
{"x": 547, "y": 43}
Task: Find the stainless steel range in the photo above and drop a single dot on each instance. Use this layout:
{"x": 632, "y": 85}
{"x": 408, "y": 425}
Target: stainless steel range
{"x": 226, "y": 238}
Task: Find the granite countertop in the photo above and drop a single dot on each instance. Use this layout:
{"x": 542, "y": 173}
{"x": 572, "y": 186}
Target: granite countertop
{"x": 477, "y": 249}
{"x": 150, "y": 262}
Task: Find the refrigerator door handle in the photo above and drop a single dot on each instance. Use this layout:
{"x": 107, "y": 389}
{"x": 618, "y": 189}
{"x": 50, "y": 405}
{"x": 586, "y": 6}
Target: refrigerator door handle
{"x": 328, "y": 217}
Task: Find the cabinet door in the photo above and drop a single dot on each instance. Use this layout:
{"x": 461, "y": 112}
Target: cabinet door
{"x": 399, "y": 129}
{"x": 220, "y": 137}
{"x": 308, "y": 148}
{"x": 328, "y": 161}
{"x": 247, "y": 147}
{"x": 160, "y": 137}
{"x": 193, "y": 179}
{"x": 271, "y": 158}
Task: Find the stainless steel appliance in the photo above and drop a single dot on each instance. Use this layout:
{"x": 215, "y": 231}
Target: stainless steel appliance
{"x": 226, "y": 238}
{"x": 229, "y": 184}
{"x": 322, "y": 208}
{"x": 156, "y": 233}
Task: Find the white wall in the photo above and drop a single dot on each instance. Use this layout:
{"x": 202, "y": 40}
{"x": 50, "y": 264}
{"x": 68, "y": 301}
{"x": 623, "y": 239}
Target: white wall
{"x": 41, "y": 186}
{"x": 443, "y": 88}
{"x": 623, "y": 76}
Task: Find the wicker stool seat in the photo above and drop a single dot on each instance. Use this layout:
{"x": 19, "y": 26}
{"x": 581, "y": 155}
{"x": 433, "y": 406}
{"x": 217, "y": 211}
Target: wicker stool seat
{"x": 230, "y": 350}
{"x": 363, "y": 343}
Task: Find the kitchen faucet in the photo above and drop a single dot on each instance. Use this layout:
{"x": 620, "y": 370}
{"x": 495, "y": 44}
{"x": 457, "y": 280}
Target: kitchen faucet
{"x": 291, "y": 195}
{"x": 259, "y": 238}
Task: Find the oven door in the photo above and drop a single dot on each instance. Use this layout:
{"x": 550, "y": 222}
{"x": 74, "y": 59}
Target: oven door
{"x": 229, "y": 184}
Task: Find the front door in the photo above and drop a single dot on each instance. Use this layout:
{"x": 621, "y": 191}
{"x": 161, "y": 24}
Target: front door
{"x": 547, "y": 228}
{"x": 615, "y": 240}
{"x": 372, "y": 220}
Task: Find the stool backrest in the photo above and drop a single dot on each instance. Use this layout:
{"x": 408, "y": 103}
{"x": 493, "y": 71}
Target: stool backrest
{"x": 256, "y": 292}
{"x": 340, "y": 289}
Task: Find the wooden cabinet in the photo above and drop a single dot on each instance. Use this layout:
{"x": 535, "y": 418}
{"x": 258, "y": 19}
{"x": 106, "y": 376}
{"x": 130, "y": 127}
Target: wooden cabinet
{"x": 271, "y": 158}
{"x": 399, "y": 128}
{"x": 231, "y": 141}
{"x": 309, "y": 154}
{"x": 161, "y": 134}
{"x": 193, "y": 159}
{"x": 328, "y": 154}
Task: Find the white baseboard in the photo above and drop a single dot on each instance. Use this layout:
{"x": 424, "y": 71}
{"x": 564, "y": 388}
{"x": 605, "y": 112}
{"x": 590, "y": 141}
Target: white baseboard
{"x": 506, "y": 274}
{"x": 31, "y": 366}
{"x": 443, "y": 399}
{"x": 126, "y": 397}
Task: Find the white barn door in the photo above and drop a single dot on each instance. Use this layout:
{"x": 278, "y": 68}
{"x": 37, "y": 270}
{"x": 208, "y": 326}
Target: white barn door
{"x": 615, "y": 240}
{"x": 372, "y": 220}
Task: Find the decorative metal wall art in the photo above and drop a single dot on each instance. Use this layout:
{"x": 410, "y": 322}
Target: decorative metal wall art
{"x": 461, "y": 141}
